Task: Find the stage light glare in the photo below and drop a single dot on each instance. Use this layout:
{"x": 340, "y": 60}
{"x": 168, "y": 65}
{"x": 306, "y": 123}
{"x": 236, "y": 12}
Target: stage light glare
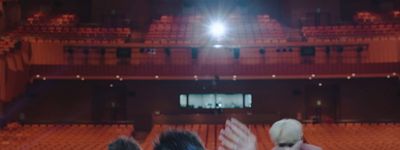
{"x": 217, "y": 46}
{"x": 217, "y": 29}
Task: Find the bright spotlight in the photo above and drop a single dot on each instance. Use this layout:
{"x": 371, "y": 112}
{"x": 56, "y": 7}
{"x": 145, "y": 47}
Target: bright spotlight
{"x": 217, "y": 29}
{"x": 218, "y": 46}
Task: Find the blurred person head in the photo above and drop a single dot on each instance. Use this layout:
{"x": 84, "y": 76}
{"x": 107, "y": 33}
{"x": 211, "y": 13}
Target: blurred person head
{"x": 124, "y": 143}
{"x": 287, "y": 133}
{"x": 178, "y": 140}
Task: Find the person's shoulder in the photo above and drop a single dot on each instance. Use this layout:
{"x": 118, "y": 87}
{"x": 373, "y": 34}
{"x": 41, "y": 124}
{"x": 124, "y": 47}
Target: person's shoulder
{"x": 310, "y": 147}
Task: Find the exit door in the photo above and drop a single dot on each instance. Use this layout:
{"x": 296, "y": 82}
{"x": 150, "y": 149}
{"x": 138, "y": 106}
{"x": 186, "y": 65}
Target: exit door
{"x": 321, "y": 103}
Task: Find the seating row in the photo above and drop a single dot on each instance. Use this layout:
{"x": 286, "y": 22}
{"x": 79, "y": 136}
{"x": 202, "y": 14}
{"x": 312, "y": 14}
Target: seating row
{"x": 72, "y": 32}
{"x": 199, "y": 18}
{"x": 348, "y": 30}
{"x": 58, "y": 20}
{"x": 191, "y": 28}
{"x": 353, "y": 136}
{"x": 62, "y": 137}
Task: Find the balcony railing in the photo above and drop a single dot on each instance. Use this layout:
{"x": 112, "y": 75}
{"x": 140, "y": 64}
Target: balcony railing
{"x": 263, "y": 70}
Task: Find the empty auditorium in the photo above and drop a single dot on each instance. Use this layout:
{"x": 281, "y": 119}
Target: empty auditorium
{"x": 199, "y": 74}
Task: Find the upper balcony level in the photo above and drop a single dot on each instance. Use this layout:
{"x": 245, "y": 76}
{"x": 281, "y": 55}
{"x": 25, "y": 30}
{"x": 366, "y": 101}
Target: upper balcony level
{"x": 181, "y": 48}
{"x": 139, "y": 61}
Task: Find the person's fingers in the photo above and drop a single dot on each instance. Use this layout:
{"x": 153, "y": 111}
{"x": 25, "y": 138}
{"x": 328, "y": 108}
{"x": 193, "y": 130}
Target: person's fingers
{"x": 229, "y": 135}
{"x": 240, "y": 125}
{"x": 226, "y": 142}
{"x": 237, "y": 131}
{"x": 229, "y": 131}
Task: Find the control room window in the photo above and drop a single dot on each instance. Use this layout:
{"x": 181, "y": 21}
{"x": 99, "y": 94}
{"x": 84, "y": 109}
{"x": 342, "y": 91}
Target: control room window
{"x": 215, "y": 101}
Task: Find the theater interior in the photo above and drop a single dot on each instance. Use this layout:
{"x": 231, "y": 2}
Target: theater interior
{"x": 76, "y": 74}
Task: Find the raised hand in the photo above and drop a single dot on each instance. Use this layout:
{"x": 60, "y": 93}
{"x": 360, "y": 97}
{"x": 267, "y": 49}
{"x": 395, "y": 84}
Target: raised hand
{"x": 236, "y": 136}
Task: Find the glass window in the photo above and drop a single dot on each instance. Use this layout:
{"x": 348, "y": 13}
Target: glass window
{"x": 183, "y": 100}
{"x": 230, "y": 100}
{"x": 215, "y": 101}
{"x": 248, "y": 100}
{"x": 205, "y": 101}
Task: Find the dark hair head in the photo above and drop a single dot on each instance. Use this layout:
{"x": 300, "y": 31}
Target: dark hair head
{"x": 178, "y": 140}
{"x": 124, "y": 143}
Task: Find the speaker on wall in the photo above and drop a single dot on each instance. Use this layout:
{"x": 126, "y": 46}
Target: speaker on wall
{"x": 69, "y": 50}
{"x": 167, "y": 51}
{"x": 124, "y": 52}
{"x": 360, "y": 49}
{"x": 339, "y": 49}
{"x": 327, "y": 50}
{"x": 86, "y": 51}
{"x": 307, "y": 51}
{"x": 195, "y": 52}
{"x": 102, "y": 51}
{"x": 236, "y": 53}
{"x": 261, "y": 50}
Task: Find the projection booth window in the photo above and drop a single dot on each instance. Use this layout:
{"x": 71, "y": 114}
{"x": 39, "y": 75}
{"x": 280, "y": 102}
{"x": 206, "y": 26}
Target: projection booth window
{"x": 215, "y": 101}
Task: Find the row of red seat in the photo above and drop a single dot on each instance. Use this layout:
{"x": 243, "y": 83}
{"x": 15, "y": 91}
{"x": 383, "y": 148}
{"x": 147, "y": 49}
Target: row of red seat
{"x": 62, "y": 137}
{"x": 239, "y": 26}
{"x": 191, "y": 28}
{"x": 367, "y": 17}
{"x": 74, "y": 40}
{"x": 328, "y": 136}
{"x": 200, "y": 18}
{"x": 350, "y": 27}
{"x": 72, "y": 32}
{"x": 349, "y": 30}
{"x": 58, "y": 20}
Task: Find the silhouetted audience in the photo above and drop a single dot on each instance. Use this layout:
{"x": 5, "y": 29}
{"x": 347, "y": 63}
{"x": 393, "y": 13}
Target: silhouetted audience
{"x": 286, "y": 134}
{"x": 178, "y": 140}
{"x": 124, "y": 143}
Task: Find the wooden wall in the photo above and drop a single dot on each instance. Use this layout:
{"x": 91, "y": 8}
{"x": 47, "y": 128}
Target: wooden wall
{"x": 382, "y": 51}
{"x": 374, "y": 99}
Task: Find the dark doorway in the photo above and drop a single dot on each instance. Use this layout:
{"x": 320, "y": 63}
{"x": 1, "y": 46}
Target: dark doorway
{"x": 109, "y": 103}
{"x": 321, "y": 102}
